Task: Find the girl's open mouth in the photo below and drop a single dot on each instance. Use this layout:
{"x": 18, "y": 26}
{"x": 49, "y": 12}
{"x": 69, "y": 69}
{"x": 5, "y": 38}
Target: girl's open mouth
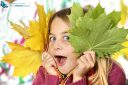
{"x": 60, "y": 60}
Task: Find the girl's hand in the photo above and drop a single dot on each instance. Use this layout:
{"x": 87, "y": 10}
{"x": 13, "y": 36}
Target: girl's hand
{"x": 49, "y": 63}
{"x": 85, "y": 63}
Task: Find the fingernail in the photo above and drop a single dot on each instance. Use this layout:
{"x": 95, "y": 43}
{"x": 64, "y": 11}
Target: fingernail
{"x": 84, "y": 52}
{"x": 87, "y": 54}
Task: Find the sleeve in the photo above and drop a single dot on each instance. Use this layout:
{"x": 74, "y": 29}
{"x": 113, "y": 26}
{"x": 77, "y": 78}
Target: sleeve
{"x": 42, "y": 78}
{"x": 116, "y": 75}
{"x": 83, "y": 81}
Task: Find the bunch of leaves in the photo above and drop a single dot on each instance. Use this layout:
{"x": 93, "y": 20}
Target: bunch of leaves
{"x": 96, "y": 31}
{"x": 27, "y": 59}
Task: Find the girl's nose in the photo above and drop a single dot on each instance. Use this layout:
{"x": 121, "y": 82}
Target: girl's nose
{"x": 58, "y": 45}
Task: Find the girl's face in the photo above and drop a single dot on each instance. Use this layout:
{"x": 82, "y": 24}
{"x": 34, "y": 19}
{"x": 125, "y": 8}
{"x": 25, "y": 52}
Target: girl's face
{"x": 59, "y": 46}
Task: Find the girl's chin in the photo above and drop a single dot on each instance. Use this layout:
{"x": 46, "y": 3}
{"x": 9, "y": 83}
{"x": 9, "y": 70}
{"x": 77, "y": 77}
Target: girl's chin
{"x": 64, "y": 71}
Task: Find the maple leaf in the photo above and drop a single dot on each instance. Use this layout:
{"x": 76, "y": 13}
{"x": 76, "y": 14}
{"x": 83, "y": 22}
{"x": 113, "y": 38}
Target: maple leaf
{"x": 96, "y": 31}
{"x": 27, "y": 59}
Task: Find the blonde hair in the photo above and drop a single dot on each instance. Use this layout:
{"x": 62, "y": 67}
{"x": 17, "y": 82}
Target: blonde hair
{"x": 100, "y": 77}
{"x": 103, "y": 64}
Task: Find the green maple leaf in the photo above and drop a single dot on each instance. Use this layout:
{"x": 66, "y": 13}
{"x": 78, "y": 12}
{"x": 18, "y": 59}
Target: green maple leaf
{"x": 96, "y": 31}
{"x": 73, "y": 17}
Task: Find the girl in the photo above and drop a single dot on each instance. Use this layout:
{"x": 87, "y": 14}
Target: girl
{"x": 61, "y": 66}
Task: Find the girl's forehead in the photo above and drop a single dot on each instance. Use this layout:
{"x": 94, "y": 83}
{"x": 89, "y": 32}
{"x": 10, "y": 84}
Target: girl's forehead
{"x": 58, "y": 26}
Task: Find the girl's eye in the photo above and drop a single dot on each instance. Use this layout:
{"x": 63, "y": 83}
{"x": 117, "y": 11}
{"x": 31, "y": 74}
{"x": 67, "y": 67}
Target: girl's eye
{"x": 66, "y": 37}
{"x": 52, "y": 39}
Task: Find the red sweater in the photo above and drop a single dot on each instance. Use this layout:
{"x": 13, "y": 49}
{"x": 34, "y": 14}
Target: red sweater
{"x": 116, "y": 77}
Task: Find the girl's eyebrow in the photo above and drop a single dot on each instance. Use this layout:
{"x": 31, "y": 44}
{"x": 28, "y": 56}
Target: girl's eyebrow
{"x": 61, "y": 33}
{"x": 51, "y": 34}
{"x": 64, "y": 32}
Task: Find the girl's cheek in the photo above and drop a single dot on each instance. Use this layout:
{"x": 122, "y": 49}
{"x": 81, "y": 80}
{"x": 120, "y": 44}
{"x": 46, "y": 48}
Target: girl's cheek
{"x": 50, "y": 45}
{"x": 50, "y": 49}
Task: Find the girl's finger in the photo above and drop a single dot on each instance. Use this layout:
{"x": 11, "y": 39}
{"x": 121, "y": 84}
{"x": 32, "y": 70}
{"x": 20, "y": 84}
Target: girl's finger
{"x": 90, "y": 59}
{"x": 83, "y": 61}
{"x": 44, "y": 55}
{"x": 51, "y": 62}
{"x": 47, "y": 56}
{"x": 92, "y": 53}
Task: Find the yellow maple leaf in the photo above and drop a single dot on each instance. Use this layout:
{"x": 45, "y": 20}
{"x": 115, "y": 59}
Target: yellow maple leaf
{"x": 123, "y": 51}
{"x": 35, "y": 40}
{"x": 124, "y": 13}
{"x": 24, "y": 60}
{"x": 122, "y": 22}
{"x": 22, "y": 31}
{"x": 27, "y": 59}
